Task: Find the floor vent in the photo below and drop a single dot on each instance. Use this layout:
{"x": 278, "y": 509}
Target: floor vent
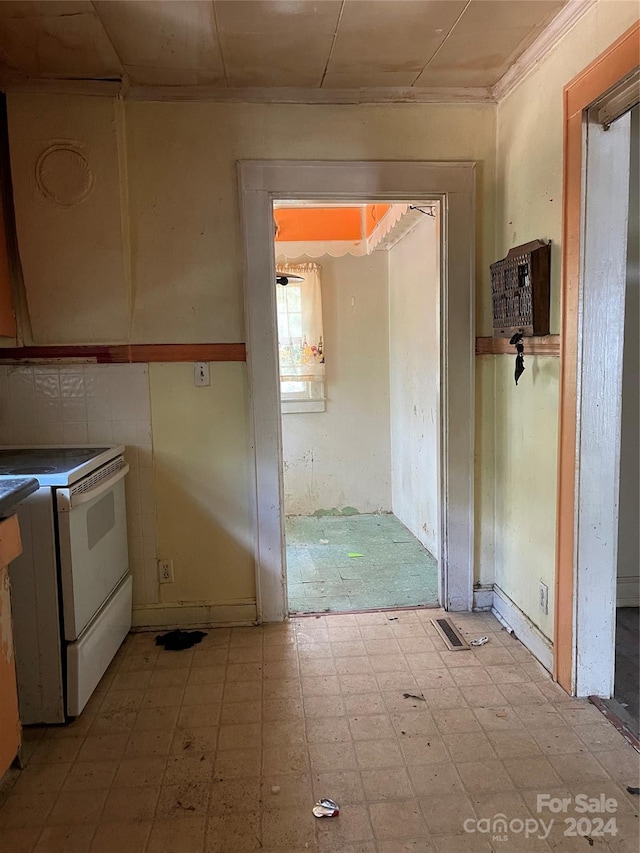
{"x": 452, "y": 637}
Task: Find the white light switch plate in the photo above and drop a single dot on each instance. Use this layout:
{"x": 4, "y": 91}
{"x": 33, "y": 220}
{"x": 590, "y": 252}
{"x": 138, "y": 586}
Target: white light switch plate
{"x": 201, "y": 374}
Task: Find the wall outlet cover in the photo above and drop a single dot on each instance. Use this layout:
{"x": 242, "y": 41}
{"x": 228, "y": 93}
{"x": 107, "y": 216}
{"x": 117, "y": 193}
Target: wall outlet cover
{"x": 165, "y": 571}
{"x": 544, "y": 597}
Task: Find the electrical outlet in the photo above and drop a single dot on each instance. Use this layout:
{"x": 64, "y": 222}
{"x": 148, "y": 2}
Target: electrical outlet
{"x": 201, "y": 373}
{"x": 165, "y": 571}
{"x": 543, "y": 597}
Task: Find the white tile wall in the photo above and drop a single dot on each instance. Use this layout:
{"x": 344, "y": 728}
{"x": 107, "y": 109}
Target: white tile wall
{"x": 92, "y": 404}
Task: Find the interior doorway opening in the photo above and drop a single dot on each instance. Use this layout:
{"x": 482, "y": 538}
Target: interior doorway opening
{"x": 626, "y": 686}
{"x": 358, "y": 315}
{"x": 453, "y": 184}
{"x": 598, "y": 159}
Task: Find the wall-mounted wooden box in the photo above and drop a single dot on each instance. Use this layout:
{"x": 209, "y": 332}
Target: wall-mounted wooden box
{"x": 520, "y": 290}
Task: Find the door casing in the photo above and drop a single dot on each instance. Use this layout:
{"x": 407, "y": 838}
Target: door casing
{"x": 584, "y": 621}
{"x": 453, "y": 184}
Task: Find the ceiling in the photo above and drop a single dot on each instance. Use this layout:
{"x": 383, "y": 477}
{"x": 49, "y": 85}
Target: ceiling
{"x": 239, "y": 44}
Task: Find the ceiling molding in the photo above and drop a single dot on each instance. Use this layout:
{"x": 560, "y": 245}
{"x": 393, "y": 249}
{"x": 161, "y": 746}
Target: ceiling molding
{"x": 275, "y": 95}
{"x": 103, "y": 88}
{"x": 536, "y": 52}
{"x": 285, "y": 95}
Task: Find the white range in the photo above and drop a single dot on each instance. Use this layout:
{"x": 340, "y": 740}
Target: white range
{"x": 71, "y": 587}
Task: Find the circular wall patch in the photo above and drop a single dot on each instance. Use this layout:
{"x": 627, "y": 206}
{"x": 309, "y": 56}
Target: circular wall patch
{"x": 64, "y": 175}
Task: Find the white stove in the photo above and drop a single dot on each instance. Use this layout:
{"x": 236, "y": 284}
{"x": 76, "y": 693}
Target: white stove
{"x": 71, "y": 587}
{"x": 53, "y": 465}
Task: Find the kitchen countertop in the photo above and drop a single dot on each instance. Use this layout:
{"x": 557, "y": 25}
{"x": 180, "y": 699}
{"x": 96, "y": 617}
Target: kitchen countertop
{"x": 14, "y": 490}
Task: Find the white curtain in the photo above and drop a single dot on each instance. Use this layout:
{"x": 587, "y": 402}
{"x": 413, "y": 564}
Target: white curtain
{"x": 300, "y": 336}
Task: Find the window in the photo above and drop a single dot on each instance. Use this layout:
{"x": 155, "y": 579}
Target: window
{"x": 300, "y": 339}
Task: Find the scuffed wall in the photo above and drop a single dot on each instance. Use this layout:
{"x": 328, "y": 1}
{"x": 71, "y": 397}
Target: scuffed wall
{"x": 169, "y": 171}
{"x": 341, "y": 457}
{"x": 67, "y": 164}
{"x": 414, "y": 370}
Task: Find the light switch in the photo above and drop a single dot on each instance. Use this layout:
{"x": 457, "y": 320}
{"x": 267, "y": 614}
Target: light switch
{"x": 201, "y": 373}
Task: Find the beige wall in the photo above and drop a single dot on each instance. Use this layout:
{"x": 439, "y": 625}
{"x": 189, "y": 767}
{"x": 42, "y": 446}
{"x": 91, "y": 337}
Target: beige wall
{"x": 202, "y": 484}
{"x": 75, "y": 256}
{"x": 414, "y": 374}
{"x": 180, "y": 175}
{"x": 176, "y": 167}
{"x": 341, "y": 457}
{"x": 529, "y": 206}
{"x": 181, "y": 282}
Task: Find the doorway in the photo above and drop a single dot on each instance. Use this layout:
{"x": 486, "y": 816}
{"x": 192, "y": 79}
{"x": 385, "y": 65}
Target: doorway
{"x": 597, "y": 181}
{"x": 357, "y": 294}
{"x": 626, "y": 688}
{"x": 451, "y": 184}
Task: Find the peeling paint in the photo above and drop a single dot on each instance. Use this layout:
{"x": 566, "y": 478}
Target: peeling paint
{"x": 346, "y": 510}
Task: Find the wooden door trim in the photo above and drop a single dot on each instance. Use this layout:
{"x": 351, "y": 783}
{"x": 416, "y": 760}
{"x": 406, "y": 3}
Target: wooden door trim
{"x": 601, "y": 75}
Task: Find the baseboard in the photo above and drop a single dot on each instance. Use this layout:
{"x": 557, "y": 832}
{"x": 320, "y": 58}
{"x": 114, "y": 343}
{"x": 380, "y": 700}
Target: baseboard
{"x": 483, "y": 597}
{"x": 508, "y": 612}
{"x": 193, "y": 615}
{"x": 628, "y": 592}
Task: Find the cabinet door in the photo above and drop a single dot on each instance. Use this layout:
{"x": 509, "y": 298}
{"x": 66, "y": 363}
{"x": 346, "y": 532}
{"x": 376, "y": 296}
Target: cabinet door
{"x": 7, "y": 319}
{"x": 9, "y": 719}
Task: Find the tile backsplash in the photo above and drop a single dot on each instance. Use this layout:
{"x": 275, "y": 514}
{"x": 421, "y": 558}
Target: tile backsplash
{"x": 92, "y": 404}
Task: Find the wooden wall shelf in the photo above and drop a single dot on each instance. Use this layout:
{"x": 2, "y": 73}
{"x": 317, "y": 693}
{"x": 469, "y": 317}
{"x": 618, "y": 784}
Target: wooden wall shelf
{"x": 548, "y": 345}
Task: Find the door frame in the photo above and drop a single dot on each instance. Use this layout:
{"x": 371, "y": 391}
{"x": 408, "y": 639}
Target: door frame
{"x": 584, "y": 621}
{"x": 453, "y": 184}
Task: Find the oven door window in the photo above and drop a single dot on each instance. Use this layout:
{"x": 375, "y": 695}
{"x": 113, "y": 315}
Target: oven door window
{"x": 101, "y": 519}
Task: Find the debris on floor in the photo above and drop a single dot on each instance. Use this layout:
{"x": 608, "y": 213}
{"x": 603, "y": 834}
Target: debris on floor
{"x": 326, "y": 808}
{"x": 178, "y": 641}
{"x": 420, "y": 698}
{"x": 354, "y": 554}
{"x": 324, "y": 541}
{"x": 479, "y": 642}
{"x": 632, "y": 790}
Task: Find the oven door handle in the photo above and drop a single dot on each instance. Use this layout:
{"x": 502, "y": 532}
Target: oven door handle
{"x": 100, "y": 487}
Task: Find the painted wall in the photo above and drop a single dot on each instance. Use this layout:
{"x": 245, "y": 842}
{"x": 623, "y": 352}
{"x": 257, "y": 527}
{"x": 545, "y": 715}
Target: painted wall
{"x": 178, "y": 165}
{"x": 341, "y": 457}
{"x": 188, "y": 488}
{"x": 414, "y": 367}
{"x": 174, "y": 186}
{"x": 203, "y": 497}
{"x": 73, "y": 242}
{"x": 628, "y": 539}
{"x": 529, "y": 206}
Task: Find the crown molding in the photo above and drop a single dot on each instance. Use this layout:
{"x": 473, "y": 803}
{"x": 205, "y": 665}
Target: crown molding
{"x": 536, "y": 52}
{"x": 286, "y": 95}
{"x": 102, "y": 88}
{"x": 275, "y": 95}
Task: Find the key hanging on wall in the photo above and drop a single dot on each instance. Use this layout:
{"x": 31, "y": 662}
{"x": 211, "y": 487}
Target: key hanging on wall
{"x": 516, "y": 340}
